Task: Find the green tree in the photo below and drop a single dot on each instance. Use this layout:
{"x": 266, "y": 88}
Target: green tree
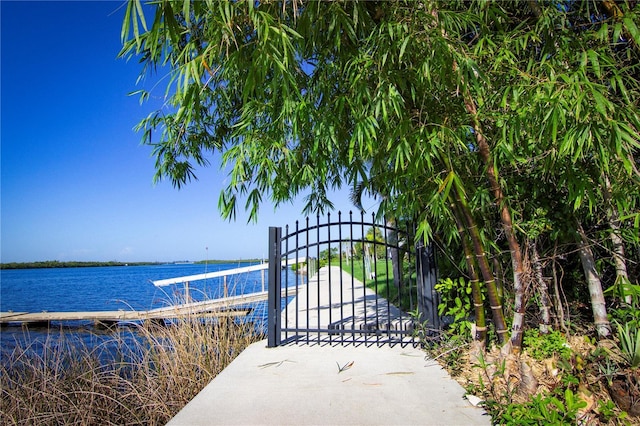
{"x": 450, "y": 109}
{"x": 566, "y": 109}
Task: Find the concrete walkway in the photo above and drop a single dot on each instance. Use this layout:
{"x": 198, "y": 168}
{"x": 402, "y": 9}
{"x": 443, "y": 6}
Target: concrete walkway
{"x": 330, "y": 384}
{"x": 346, "y": 304}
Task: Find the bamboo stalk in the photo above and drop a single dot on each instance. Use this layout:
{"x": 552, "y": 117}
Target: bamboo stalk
{"x": 478, "y": 249}
{"x": 480, "y": 334}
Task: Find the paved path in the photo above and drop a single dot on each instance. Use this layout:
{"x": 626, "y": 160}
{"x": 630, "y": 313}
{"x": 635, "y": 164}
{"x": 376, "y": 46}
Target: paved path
{"x": 345, "y": 304}
{"x": 330, "y": 384}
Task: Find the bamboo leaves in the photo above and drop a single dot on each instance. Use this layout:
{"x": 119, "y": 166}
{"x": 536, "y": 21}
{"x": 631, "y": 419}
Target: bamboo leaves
{"x": 399, "y": 95}
{"x": 632, "y": 28}
{"x": 133, "y": 18}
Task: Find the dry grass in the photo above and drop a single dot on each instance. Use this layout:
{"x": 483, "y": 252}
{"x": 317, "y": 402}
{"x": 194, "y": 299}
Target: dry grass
{"x": 125, "y": 380}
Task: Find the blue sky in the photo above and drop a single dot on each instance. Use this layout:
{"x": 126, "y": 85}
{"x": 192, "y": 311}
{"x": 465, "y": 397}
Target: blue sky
{"x": 76, "y": 184}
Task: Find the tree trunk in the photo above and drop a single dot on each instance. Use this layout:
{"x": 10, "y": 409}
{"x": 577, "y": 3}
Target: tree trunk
{"x": 489, "y": 281}
{"x": 560, "y": 316}
{"x": 542, "y": 289}
{"x": 480, "y": 331}
{"x": 598, "y": 306}
{"x": 499, "y": 274}
{"x": 505, "y": 216}
{"x": 519, "y": 287}
{"x": 622, "y": 277}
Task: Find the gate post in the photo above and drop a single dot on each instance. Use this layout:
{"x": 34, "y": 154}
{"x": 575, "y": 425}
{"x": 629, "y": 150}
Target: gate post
{"x": 274, "y": 305}
{"x": 427, "y": 278}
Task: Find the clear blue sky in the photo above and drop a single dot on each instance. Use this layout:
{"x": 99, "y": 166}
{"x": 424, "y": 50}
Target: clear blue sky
{"x": 76, "y": 182}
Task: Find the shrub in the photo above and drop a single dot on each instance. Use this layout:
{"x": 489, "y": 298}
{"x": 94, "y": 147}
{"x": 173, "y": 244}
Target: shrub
{"x": 543, "y": 409}
{"x": 545, "y": 345}
{"x": 629, "y": 344}
{"x": 456, "y": 303}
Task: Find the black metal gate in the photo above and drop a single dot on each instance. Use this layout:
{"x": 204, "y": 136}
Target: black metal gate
{"x": 351, "y": 280}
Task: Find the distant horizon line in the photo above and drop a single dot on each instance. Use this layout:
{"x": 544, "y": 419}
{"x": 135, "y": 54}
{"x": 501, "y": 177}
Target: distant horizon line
{"x": 82, "y": 263}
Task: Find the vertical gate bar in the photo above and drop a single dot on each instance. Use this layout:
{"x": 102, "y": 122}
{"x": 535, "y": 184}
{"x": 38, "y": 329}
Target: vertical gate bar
{"x": 414, "y": 251}
{"x": 397, "y": 259}
{"x": 386, "y": 271}
{"x": 341, "y": 283}
{"x": 419, "y": 282}
{"x": 364, "y": 274}
{"x": 308, "y": 281}
{"x": 298, "y": 274}
{"x": 401, "y": 282}
{"x": 412, "y": 236}
{"x": 352, "y": 262}
{"x": 414, "y": 300}
{"x": 428, "y": 300}
{"x": 286, "y": 281}
{"x": 437, "y": 324}
{"x": 274, "y": 303}
{"x": 329, "y": 267}
{"x": 375, "y": 275}
{"x": 318, "y": 253}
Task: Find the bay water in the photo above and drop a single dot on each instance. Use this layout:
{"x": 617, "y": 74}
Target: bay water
{"x": 112, "y": 288}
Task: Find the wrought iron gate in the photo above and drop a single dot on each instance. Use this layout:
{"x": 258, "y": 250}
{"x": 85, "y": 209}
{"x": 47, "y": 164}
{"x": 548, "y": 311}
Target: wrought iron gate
{"x": 349, "y": 281}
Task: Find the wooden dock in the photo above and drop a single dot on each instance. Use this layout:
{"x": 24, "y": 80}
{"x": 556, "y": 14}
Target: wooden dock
{"x": 214, "y": 308}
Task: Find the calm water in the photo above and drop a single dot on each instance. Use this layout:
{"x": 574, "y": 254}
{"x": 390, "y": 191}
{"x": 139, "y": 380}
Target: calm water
{"x": 112, "y": 288}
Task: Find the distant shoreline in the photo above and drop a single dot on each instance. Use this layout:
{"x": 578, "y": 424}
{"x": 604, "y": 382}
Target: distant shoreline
{"x": 47, "y": 264}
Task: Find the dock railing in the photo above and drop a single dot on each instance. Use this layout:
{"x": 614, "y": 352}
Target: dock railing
{"x": 185, "y": 280}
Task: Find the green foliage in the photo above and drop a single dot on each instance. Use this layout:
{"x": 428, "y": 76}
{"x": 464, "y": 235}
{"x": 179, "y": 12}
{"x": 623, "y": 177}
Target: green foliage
{"x": 383, "y": 283}
{"x": 447, "y": 352}
{"x": 542, "y": 409}
{"x": 608, "y": 369}
{"x": 372, "y": 243}
{"x": 607, "y": 410}
{"x": 626, "y": 313}
{"x": 489, "y": 379}
{"x": 393, "y": 96}
{"x": 328, "y": 255}
{"x": 71, "y": 264}
{"x": 383, "y": 270}
{"x": 421, "y": 329}
{"x": 456, "y": 301}
{"x": 629, "y": 337}
{"x": 542, "y": 346}
{"x": 302, "y": 98}
{"x": 626, "y": 317}
{"x": 298, "y": 266}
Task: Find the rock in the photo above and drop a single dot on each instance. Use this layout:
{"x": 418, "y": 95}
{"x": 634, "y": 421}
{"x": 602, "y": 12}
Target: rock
{"x": 473, "y": 400}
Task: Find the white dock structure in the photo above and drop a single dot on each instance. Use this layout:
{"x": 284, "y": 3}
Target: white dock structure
{"x": 209, "y": 275}
{"x": 224, "y": 274}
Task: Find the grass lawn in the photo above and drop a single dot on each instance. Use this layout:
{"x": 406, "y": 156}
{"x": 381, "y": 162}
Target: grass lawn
{"x": 383, "y": 283}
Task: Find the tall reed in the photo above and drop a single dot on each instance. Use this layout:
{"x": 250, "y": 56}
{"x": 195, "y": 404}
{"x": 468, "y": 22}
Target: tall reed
{"x": 140, "y": 376}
